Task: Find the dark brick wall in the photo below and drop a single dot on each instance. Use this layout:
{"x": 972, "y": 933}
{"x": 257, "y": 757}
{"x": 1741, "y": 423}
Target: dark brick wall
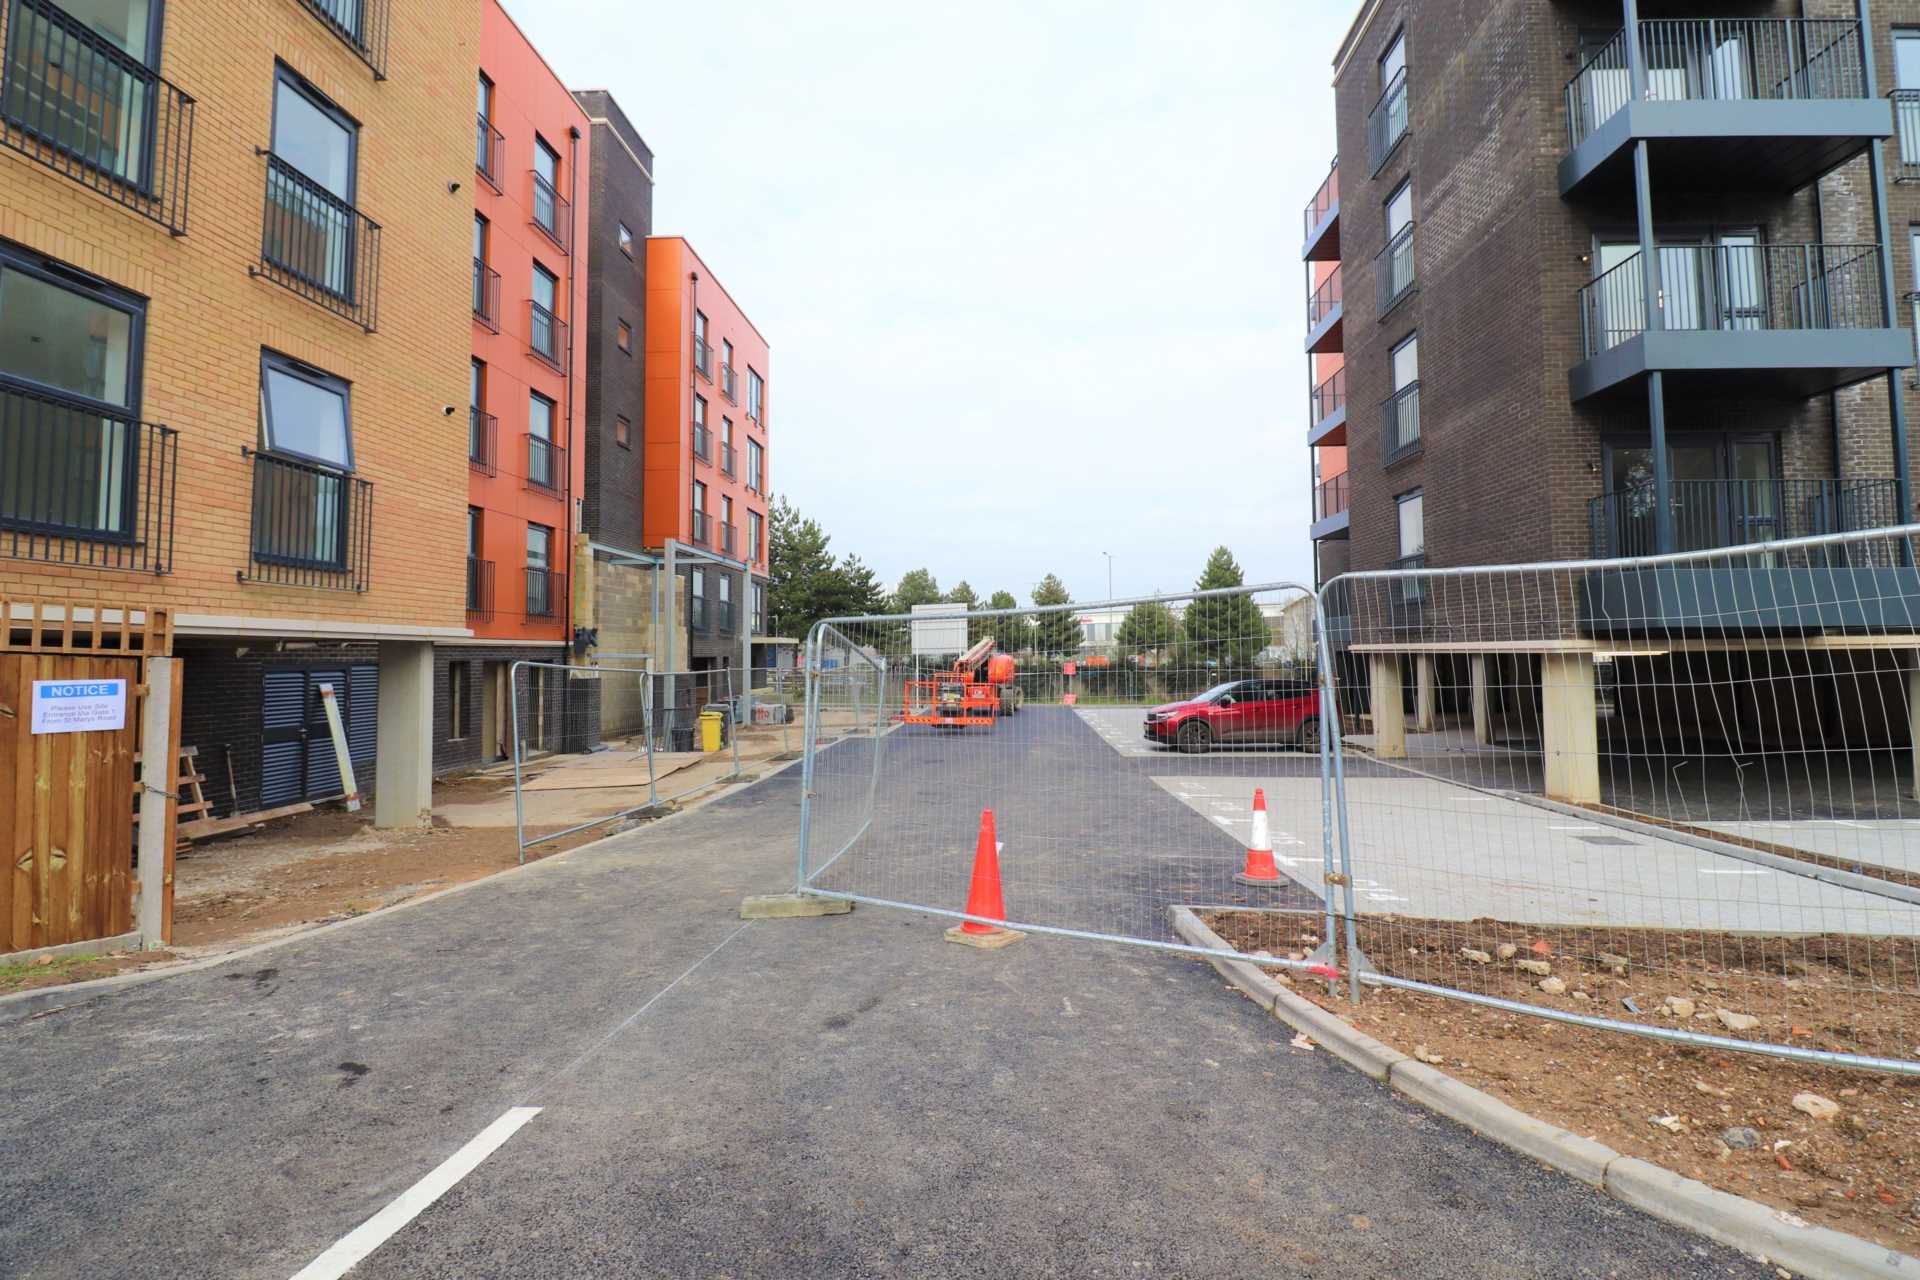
{"x": 710, "y": 641}
{"x": 621, "y": 192}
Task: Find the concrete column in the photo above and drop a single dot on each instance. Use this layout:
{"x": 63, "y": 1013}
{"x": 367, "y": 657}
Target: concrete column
{"x": 1570, "y": 727}
{"x": 1423, "y": 693}
{"x": 403, "y": 770}
{"x": 1913, "y": 718}
{"x": 1389, "y": 711}
{"x": 158, "y": 743}
{"x": 1482, "y": 701}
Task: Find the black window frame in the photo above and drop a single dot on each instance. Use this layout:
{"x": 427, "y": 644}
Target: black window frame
{"x": 297, "y": 368}
{"x": 622, "y": 431}
{"x": 284, "y": 74}
{"x": 143, "y": 183}
{"x": 623, "y": 336}
{"x": 623, "y": 236}
{"x": 487, "y": 80}
{"x": 1400, "y": 501}
{"x": 539, "y": 271}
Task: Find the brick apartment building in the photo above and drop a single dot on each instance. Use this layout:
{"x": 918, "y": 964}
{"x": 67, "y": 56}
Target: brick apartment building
{"x": 231, "y": 358}
{"x": 526, "y": 467}
{"x": 1616, "y": 280}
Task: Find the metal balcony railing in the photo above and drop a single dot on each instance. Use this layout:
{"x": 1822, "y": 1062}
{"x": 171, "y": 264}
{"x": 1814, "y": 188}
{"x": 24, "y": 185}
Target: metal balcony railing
{"x": 1393, "y": 268}
{"x": 361, "y": 25}
{"x": 1323, "y": 301}
{"x": 1906, "y": 134}
{"x": 489, "y": 145}
{"x": 700, "y": 529}
{"x": 1737, "y": 287}
{"x": 703, "y": 358}
{"x": 729, "y": 536}
{"x": 78, "y": 104}
{"x": 726, "y": 618}
{"x": 1326, "y": 399}
{"x": 1731, "y": 513}
{"x": 1387, "y": 123}
{"x": 1330, "y": 497}
{"x": 547, "y": 336}
{"x": 1325, "y": 198}
{"x": 85, "y": 486}
{"x": 545, "y": 590}
{"x": 729, "y": 383}
{"x": 702, "y": 443}
{"x": 546, "y": 465}
{"x": 552, "y": 213}
{"x": 728, "y": 457}
{"x": 1413, "y": 590}
{"x": 486, "y": 295}
{"x": 312, "y": 526}
{"x": 1400, "y": 424}
{"x": 318, "y": 245}
{"x": 483, "y": 441}
{"x": 1720, "y": 59}
{"x": 479, "y": 589}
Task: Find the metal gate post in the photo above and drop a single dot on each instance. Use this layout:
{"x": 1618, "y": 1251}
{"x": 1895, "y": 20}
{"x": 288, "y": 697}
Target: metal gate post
{"x": 1356, "y": 959}
{"x": 513, "y": 718}
{"x": 809, "y": 720}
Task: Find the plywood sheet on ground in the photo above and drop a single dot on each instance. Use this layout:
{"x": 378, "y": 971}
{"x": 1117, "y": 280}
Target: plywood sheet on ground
{"x": 594, "y": 775}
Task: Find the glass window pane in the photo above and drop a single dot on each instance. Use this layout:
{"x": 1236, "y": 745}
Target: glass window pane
{"x": 537, "y": 536}
{"x": 1406, "y": 364}
{"x": 312, "y": 141}
{"x": 305, "y": 417}
{"x": 1413, "y": 531}
{"x": 539, "y": 416}
{"x": 63, "y": 339}
{"x": 1394, "y": 62}
{"x": 1399, "y": 210}
{"x": 480, "y": 238}
{"x": 486, "y": 98}
{"x": 544, "y": 287}
{"x": 1906, "y": 59}
{"x": 546, "y": 162}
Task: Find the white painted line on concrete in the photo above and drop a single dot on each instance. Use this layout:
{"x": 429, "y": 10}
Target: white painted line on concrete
{"x": 1732, "y": 871}
{"x": 1588, "y": 827}
{"x": 348, "y": 1250}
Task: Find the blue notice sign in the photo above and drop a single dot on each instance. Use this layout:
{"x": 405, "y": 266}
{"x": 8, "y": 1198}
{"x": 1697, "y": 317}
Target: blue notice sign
{"x": 79, "y": 706}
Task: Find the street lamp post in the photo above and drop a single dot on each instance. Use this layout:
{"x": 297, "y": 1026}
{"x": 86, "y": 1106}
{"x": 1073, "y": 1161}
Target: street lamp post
{"x": 1109, "y": 556}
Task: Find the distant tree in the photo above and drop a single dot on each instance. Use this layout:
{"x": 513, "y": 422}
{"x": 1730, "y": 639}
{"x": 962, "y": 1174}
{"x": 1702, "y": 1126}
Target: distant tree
{"x": 917, "y": 586}
{"x": 1055, "y": 633}
{"x": 861, "y": 589}
{"x": 1012, "y": 634}
{"x": 1227, "y": 632}
{"x": 1148, "y": 627}
{"x": 964, "y": 594}
{"x": 803, "y": 586}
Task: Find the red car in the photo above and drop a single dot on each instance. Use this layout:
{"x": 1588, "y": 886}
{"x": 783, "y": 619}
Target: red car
{"x": 1240, "y": 711}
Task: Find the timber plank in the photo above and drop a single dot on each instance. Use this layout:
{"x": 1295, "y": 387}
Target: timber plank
{"x": 12, "y": 713}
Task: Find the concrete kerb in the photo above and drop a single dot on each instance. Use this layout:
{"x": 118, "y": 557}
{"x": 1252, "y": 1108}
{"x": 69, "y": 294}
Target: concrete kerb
{"x": 1819, "y": 1253}
{"x": 21, "y": 1005}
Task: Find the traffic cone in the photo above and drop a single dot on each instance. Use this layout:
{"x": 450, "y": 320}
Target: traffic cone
{"x": 983, "y": 895}
{"x": 1260, "y": 868}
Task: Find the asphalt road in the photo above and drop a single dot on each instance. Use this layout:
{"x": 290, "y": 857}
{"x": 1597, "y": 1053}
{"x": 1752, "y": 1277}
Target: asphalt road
{"x": 842, "y": 1096}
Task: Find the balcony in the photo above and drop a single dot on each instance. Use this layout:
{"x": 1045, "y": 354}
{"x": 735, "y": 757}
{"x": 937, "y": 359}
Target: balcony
{"x": 83, "y": 487}
{"x": 729, "y": 539}
{"x": 729, "y": 384}
{"x": 703, "y": 358}
{"x": 318, "y": 245}
{"x": 545, "y": 590}
{"x": 702, "y": 443}
{"x": 1327, "y": 411}
{"x": 729, "y": 457}
{"x": 1400, "y": 425}
{"x": 1765, "y": 104}
{"x": 547, "y": 336}
{"x": 488, "y": 145}
{"x": 486, "y": 295}
{"x": 552, "y": 214}
{"x": 1323, "y": 220}
{"x": 700, "y": 528}
{"x": 1324, "y": 313}
{"x": 1393, "y": 268}
{"x": 1330, "y": 508}
{"x": 1708, "y": 514}
{"x": 1387, "y": 123}
{"x": 483, "y": 442}
{"x": 546, "y": 466}
{"x": 312, "y": 526}
{"x": 1794, "y": 320}
{"x": 82, "y": 107}
{"x": 1410, "y": 592}
{"x": 1906, "y": 118}
{"x": 479, "y": 589}
{"x": 361, "y": 25}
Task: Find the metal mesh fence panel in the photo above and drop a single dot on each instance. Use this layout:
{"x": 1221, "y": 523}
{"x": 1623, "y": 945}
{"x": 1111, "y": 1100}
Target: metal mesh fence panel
{"x": 1673, "y": 795}
{"x": 1120, "y": 748}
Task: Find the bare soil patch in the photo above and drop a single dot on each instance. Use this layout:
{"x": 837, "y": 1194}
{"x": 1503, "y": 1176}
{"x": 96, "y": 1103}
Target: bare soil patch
{"x": 1679, "y": 1106}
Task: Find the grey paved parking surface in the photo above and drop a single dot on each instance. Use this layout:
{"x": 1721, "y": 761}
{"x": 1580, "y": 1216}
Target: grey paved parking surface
{"x": 846, "y": 1096}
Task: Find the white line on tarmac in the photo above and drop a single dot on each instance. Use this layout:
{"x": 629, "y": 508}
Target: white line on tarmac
{"x": 1733, "y": 871}
{"x": 377, "y": 1230}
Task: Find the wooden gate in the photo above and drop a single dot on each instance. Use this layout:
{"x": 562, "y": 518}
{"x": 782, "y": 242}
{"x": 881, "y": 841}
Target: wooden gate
{"x": 67, "y": 798}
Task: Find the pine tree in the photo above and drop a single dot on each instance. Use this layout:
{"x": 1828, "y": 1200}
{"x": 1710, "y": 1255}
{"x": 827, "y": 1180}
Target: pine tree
{"x": 1148, "y": 628}
{"x": 802, "y": 577}
{"x": 1055, "y": 633}
{"x": 1011, "y": 634}
{"x": 1223, "y": 633}
{"x": 917, "y": 586}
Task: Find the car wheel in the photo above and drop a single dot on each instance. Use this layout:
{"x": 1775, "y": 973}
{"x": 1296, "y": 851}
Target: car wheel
{"x": 1195, "y": 737}
{"x": 1309, "y": 736}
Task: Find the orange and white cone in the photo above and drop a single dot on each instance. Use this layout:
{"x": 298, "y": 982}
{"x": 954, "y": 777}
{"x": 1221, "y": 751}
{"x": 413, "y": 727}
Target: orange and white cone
{"x": 983, "y": 894}
{"x": 1260, "y": 868}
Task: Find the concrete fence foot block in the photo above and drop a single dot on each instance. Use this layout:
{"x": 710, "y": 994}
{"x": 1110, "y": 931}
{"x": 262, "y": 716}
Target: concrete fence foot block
{"x": 985, "y": 941}
{"x": 786, "y": 906}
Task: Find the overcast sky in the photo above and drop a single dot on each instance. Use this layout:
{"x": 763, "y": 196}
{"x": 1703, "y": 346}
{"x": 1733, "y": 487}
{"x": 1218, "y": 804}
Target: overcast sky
{"x": 1030, "y": 271}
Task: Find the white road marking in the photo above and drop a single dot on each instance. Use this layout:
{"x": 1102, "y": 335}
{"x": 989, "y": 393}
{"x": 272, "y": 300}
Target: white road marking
{"x": 377, "y": 1230}
{"x": 1735, "y": 871}
{"x": 1582, "y": 828}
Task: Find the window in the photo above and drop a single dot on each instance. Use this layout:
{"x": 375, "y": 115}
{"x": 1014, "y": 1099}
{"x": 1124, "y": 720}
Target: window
{"x": 726, "y": 524}
{"x": 622, "y": 432}
{"x": 486, "y": 281}
{"x": 754, "y": 523}
{"x": 756, "y": 466}
{"x": 697, "y": 586}
{"x": 456, "y": 701}
{"x": 1403, "y": 407}
{"x": 543, "y": 333}
{"x": 726, "y": 602}
{"x": 81, "y": 75}
{"x": 304, "y": 412}
{"x": 546, "y": 187}
{"x": 540, "y": 591}
{"x": 726, "y": 445}
{"x": 69, "y": 391}
{"x": 479, "y": 240}
{"x": 699, "y": 512}
{"x": 539, "y": 545}
{"x": 1387, "y": 122}
{"x": 474, "y": 518}
{"x": 541, "y": 466}
{"x": 626, "y": 240}
{"x": 1396, "y": 260}
{"x": 702, "y": 440}
{"x": 1400, "y": 209}
{"x": 702, "y": 353}
{"x": 700, "y": 327}
{"x": 311, "y": 178}
{"x": 756, "y": 389}
{"x": 624, "y": 336}
{"x": 480, "y": 424}
{"x": 484, "y": 150}
{"x": 1394, "y": 60}
{"x": 726, "y": 355}
{"x": 1413, "y": 526}
{"x": 760, "y": 607}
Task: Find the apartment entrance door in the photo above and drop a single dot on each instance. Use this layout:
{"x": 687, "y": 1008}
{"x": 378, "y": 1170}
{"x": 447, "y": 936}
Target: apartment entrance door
{"x": 1726, "y": 489}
